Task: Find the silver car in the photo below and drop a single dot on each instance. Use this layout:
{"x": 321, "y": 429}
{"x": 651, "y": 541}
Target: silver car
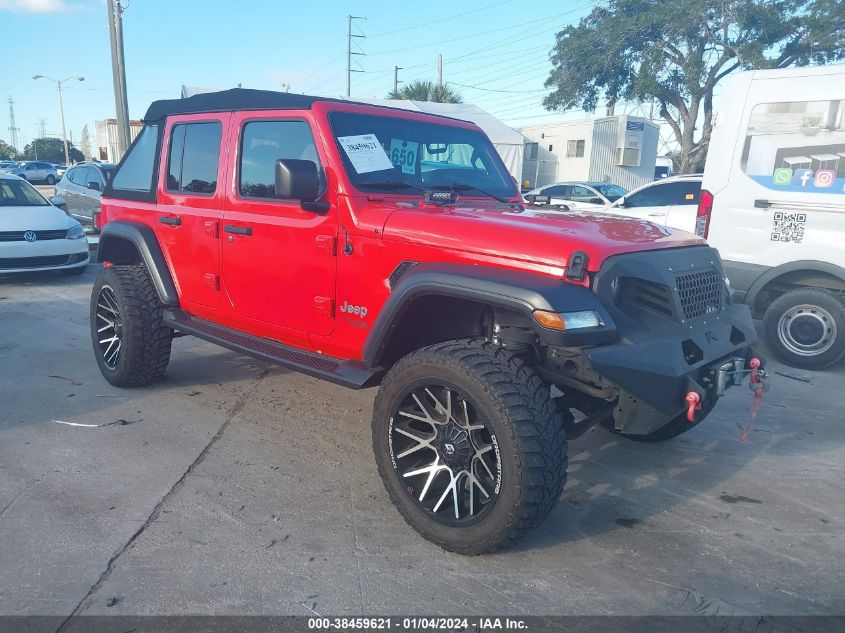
{"x": 36, "y": 171}
{"x": 80, "y": 189}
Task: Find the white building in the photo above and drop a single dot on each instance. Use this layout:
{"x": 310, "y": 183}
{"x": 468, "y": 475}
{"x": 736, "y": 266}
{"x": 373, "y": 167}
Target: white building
{"x": 619, "y": 149}
{"x": 105, "y": 136}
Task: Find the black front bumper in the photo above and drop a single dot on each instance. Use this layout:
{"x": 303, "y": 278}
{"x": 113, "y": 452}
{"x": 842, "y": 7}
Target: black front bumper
{"x": 671, "y": 339}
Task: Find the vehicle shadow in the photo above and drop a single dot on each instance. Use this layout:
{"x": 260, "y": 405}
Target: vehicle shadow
{"x": 615, "y": 483}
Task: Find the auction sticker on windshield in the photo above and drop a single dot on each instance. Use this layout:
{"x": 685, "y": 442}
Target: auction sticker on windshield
{"x": 365, "y": 153}
{"x": 404, "y": 154}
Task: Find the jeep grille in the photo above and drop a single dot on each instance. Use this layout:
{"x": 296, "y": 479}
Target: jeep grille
{"x": 700, "y": 293}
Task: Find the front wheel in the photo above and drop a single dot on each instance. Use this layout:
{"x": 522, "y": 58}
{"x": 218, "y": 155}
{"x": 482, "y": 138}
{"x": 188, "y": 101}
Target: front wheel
{"x": 805, "y": 328}
{"x": 469, "y": 445}
{"x": 131, "y": 344}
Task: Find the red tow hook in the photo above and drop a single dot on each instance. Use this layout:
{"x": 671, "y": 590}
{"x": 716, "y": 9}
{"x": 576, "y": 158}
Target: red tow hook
{"x": 693, "y": 405}
{"x": 759, "y": 387}
{"x": 754, "y": 364}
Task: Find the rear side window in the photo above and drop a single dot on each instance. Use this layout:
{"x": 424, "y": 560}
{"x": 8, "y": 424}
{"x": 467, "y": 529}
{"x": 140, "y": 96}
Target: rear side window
{"x": 78, "y": 176}
{"x": 193, "y": 158}
{"x": 135, "y": 173}
{"x": 660, "y": 195}
{"x": 265, "y": 142}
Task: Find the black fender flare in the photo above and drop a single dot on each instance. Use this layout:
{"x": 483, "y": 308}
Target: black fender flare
{"x": 146, "y": 245}
{"x": 521, "y": 292}
{"x": 773, "y": 273}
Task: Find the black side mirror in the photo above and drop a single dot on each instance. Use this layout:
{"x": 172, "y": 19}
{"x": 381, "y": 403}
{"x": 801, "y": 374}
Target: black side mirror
{"x": 299, "y": 180}
{"x": 94, "y": 185}
{"x": 620, "y": 202}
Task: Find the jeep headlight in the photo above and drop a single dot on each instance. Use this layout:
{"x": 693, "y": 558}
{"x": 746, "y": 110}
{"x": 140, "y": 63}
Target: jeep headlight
{"x": 565, "y": 321}
{"x": 75, "y": 232}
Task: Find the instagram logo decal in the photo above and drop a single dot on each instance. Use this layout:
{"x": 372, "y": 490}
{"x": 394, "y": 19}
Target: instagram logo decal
{"x": 824, "y": 178}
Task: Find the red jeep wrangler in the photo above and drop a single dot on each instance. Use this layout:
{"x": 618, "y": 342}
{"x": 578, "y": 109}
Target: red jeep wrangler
{"x": 374, "y": 246}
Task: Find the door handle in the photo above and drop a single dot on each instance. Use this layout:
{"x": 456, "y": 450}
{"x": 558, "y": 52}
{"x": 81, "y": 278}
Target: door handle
{"x": 657, "y": 215}
{"x": 238, "y": 230}
{"x": 171, "y": 220}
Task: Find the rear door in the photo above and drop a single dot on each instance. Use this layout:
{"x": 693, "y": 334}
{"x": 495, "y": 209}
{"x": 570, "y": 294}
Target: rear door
{"x": 781, "y": 198}
{"x": 189, "y": 209}
{"x": 74, "y": 190}
{"x": 681, "y": 214}
{"x": 651, "y": 203}
{"x": 279, "y": 260}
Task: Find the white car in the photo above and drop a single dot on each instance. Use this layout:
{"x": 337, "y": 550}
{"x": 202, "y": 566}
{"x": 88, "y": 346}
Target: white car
{"x": 672, "y": 202}
{"x": 579, "y": 196}
{"x": 35, "y": 235}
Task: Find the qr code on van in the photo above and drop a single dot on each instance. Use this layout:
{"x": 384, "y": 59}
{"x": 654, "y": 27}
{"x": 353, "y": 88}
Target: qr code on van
{"x": 788, "y": 227}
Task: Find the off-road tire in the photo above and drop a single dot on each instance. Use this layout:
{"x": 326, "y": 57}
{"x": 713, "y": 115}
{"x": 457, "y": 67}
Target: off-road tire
{"x": 51, "y": 179}
{"x": 678, "y": 425}
{"x": 145, "y": 340}
{"x": 824, "y": 299}
{"x": 72, "y": 272}
{"x": 529, "y": 430}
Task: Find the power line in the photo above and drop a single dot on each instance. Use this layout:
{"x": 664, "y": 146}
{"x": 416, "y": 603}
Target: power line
{"x": 446, "y": 19}
{"x": 454, "y": 83}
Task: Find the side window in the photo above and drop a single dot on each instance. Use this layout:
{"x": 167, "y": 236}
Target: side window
{"x": 94, "y": 176}
{"x": 796, "y": 146}
{"x": 193, "y": 158}
{"x": 575, "y": 149}
{"x": 689, "y": 192}
{"x": 136, "y": 172}
{"x": 656, "y": 196}
{"x": 79, "y": 176}
{"x": 265, "y": 142}
{"x": 582, "y": 194}
{"x": 558, "y": 191}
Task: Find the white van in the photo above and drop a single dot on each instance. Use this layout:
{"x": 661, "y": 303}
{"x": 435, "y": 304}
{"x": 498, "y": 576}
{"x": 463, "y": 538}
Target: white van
{"x": 773, "y": 203}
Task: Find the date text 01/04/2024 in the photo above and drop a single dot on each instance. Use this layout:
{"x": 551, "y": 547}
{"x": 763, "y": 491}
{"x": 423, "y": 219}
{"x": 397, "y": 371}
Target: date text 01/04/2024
{"x": 417, "y": 623}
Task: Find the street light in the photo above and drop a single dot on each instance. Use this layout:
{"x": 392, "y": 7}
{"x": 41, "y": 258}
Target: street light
{"x": 61, "y": 106}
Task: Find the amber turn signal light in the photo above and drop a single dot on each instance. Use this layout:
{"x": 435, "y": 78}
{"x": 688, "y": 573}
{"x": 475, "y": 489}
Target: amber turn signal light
{"x": 551, "y": 320}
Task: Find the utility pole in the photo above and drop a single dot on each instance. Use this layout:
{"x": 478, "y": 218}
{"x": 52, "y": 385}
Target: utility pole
{"x": 350, "y": 53}
{"x": 118, "y": 67}
{"x": 14, "y": 131}
{"x": 61, "y": 108}
{"x": 440, "y": 71}
{"x": 396, "y": 70}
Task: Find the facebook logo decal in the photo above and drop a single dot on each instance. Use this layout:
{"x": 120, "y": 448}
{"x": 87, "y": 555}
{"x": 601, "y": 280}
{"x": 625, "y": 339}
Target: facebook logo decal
{"x": 802, "y": 177}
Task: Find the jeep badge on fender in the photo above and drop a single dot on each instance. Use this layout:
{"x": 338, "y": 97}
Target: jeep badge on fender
{"x": 357, "y": 310}
{"x": 466, "y": 315}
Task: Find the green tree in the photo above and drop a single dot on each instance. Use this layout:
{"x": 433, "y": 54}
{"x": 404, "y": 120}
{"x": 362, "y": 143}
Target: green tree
{"x": 426, "y": 91}
{"x": 52, "y": 150}
{"x": 675, "y": 53}
{"x": 7, "y": 152}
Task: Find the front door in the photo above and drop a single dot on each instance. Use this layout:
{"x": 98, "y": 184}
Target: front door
{"x": 190, "y": 201}
{"x": 279, "y": 260}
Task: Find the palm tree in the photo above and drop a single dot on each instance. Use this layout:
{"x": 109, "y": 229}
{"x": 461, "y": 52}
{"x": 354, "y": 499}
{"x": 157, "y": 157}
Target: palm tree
{"x": 426, "y": 91}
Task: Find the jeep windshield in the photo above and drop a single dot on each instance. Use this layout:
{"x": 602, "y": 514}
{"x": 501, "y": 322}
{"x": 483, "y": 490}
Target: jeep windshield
{"x": 408, "y": 156}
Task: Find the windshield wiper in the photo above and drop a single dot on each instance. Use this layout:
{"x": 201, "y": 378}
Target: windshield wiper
{"x": 461, "y": 186}
{"x": 395, "y": 185}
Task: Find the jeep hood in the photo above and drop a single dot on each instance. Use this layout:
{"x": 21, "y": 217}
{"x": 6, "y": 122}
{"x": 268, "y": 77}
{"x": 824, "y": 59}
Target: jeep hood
{"x": 547, "y": 239}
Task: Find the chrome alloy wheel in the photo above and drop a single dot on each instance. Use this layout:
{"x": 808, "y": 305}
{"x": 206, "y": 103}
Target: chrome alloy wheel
{"x": 807, "y": 330}
{"x": 445, "y": 455}
{"x": 109, "y": 327}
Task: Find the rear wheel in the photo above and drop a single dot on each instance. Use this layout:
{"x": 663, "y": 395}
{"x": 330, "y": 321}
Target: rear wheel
{"x": 469, "y": 445}
{"x": 51, "y": 179}
{"x": 131, "y": 344}
{"x": 806, "y": 328}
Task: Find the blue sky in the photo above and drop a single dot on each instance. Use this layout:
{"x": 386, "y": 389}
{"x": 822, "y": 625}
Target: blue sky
{"x": 499, "y": 46}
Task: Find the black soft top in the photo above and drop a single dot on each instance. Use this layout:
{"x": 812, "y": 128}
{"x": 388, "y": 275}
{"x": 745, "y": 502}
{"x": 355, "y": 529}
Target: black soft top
{"x": 230, "y": 100}
{"x": 237, "y": 99}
